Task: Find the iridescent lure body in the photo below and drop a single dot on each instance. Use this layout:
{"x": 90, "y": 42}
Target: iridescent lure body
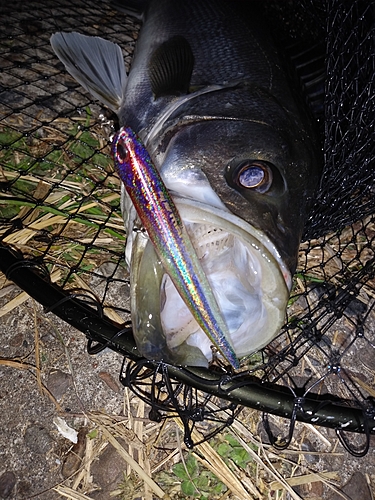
{"x": 160, "y": 218}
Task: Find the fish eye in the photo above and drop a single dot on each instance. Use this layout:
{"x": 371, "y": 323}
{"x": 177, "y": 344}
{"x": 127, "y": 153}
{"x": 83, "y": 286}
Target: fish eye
{"x": 255, "y": 175}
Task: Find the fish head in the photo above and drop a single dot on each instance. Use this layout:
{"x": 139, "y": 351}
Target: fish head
{"x": 241, "y": 189}
{"x": 260, "y": 174}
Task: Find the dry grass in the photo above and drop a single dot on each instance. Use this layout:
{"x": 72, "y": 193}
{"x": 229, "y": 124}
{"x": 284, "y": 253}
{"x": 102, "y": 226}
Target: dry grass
{"x": 240, "y": 483}
{"x": 67, "y": 205}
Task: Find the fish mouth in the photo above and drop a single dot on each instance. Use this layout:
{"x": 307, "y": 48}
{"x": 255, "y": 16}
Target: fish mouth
{"x": 247, "y": 276}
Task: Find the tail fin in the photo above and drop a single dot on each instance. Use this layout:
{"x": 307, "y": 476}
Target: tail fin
{"x": 95, "y": 63}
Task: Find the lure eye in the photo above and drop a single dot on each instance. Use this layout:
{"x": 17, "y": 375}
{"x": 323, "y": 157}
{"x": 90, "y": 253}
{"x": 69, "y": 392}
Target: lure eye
{"x": 122, "y": 152}
{"x": 255, "y": 175}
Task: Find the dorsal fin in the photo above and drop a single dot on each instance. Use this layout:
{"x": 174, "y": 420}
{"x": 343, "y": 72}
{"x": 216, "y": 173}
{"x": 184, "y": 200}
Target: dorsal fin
{"x": 171, "y": 66}
{"x": 95, "y": 63}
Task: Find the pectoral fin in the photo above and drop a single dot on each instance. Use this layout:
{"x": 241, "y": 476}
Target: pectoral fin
{"x": 171, "y": 66}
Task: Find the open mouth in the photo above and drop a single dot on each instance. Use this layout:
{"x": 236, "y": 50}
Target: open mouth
{"x": 246, "y": 275}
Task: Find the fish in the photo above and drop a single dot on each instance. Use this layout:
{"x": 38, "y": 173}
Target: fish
{"x": 212, "y": 100}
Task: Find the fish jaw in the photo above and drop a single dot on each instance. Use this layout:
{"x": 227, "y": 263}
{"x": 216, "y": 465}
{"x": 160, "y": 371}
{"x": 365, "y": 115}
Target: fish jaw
{"x": 247, "y": 275}
{"x": 245, "y": 271}
{"x": 163, "y": 224}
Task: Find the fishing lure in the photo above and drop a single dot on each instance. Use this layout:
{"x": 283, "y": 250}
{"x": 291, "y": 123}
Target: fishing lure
{"x": 164, "y": 226}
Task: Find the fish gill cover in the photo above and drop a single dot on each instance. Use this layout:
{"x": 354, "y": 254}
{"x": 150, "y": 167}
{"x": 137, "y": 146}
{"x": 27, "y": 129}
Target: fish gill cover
{"x": 62, "y": 236}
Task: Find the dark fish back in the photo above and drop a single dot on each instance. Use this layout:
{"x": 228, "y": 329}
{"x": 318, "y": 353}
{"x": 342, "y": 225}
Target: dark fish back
{"x": 228, "y": 44}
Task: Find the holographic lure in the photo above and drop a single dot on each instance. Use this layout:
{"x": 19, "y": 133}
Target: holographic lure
{"x": 165, "y": 228}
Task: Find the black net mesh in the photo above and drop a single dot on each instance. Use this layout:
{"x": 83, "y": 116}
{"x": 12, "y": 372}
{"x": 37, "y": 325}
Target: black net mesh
{"x": 62, "y": 235}
{"x": 346, "y": 191}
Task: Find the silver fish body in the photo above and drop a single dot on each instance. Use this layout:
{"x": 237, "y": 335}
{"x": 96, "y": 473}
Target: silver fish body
{"x": 209, "y": 96}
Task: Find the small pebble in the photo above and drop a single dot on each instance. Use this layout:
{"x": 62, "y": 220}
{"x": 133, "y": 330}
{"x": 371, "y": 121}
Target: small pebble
{"x": 73, "y": 459}
{"x": 17, "y": 340}
{"x": 307, "y": 446}
{"x": 311, "y": 491}
{"x": 108, "y": 470}
{"x": 110, "y": 381}
{"x": 7, "y": 483}
{"x": 366, "y": 356}
{"x": 58, "y": 383}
